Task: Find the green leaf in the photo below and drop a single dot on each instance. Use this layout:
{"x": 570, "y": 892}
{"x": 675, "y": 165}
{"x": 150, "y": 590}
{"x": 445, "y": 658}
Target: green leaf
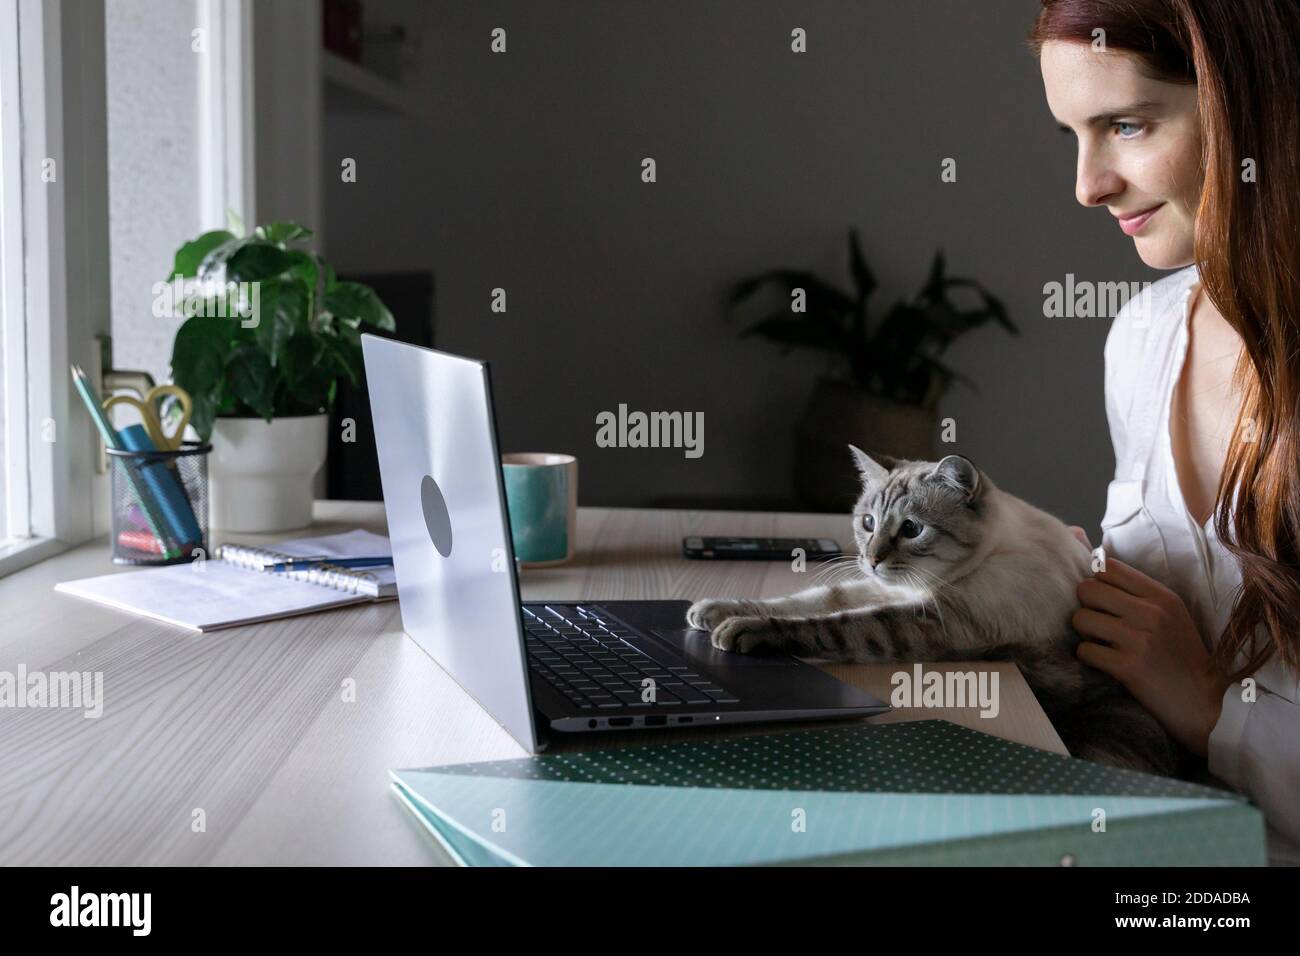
{"x": 305, "y": 266}
{"x": 347, "y": 330}
{"x": 307, "y": 334}
{"x": 252, "y": 380}
{"x": 282, "y": 232}
{"x": 345, "y": 354}
{"x": 282, "y": 312}
{"x": 331, "y": 280}
{"x": 199, "y": 355}
{"x": 203, "y": 411}
{"x": 224, "y": 307}
{"x": 190, "y": 256}
{"x": 296, "y": 360}
{"x": 199, "y": 350}
{"x": 214, "y": 263}
{"x": 352, "y": 300}
{"x": 254, "y": 262}
{"x": 307, "y": 371}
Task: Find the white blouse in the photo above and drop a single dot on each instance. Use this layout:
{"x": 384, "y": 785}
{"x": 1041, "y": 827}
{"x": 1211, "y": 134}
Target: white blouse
{"x": 1255, "y": 747}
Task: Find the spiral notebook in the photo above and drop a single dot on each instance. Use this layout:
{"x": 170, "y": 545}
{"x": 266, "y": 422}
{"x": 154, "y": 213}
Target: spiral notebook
{"x": 234, "y": 588}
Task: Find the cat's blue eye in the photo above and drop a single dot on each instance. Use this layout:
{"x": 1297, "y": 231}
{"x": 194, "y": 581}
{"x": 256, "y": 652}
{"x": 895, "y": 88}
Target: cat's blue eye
{"x": 1128, "y": 130}
{"x": 868, "y": 523}
{"x": 909, "y": 529}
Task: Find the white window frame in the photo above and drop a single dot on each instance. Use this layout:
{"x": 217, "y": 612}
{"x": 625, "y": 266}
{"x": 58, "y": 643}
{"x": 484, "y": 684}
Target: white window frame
{"x": 13, "y": 325}
{"x": 226, "y": 153}
{"x": 57, "y": 248}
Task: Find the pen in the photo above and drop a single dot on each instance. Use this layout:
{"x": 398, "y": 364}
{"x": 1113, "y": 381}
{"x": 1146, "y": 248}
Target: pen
{"x": 298, "y": 564}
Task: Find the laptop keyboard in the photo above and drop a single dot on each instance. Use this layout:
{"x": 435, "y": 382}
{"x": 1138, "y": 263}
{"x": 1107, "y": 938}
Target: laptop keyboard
{"x": 602, "y": 665}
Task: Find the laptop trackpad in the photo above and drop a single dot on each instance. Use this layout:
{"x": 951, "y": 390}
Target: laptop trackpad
{"x": 696, "y": 647}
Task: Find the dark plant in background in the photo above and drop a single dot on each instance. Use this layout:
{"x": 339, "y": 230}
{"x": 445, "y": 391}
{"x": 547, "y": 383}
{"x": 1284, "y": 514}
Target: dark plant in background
{"x": 896, "y": 356}
{"x": 307, "y": 334}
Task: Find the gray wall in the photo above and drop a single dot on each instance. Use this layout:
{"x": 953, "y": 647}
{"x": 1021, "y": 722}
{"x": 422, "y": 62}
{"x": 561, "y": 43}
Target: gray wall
{"x": 153, "y": 168}
{"x": 526, "y": 176}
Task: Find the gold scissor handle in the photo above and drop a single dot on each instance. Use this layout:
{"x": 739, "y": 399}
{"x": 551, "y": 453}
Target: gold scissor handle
{"x": 149, "y": 417}
{"x": 173, "y": 441}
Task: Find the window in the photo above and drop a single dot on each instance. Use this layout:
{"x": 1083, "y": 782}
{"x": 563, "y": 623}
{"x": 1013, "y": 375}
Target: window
{"x": 53, "y": 271}
{"x": 14, "y": 505}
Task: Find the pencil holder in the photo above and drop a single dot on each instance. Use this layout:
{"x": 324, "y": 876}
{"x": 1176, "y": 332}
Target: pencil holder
{"x": 159, "y": 504}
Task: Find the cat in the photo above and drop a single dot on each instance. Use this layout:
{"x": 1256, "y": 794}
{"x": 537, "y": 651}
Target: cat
{"x": 951, "y": 568}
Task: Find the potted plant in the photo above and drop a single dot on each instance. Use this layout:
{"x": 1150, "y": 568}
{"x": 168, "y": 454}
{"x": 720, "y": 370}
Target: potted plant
{"x": 269, "y": 331}
{"x": 889, "y": 378}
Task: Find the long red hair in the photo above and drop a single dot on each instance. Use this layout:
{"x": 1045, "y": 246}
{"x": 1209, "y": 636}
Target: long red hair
{"x": 1244, "y": 58}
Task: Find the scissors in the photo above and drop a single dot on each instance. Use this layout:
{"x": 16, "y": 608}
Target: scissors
{"x": 151, "y": 419}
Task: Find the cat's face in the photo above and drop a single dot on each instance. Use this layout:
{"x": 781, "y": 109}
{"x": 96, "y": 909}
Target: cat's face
{"x": 915, "y": 521}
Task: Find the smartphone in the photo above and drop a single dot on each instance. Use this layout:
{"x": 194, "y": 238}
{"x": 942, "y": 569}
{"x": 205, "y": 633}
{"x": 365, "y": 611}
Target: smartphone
{"x": 758, "y": 549}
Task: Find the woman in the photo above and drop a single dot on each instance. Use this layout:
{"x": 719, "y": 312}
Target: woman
{"x": 1187, "y": 115}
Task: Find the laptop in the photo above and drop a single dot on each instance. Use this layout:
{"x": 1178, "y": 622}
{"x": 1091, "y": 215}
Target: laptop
{"x": 542, "y": 667}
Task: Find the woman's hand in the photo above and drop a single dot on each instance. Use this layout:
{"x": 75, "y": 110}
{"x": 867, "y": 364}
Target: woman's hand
{"x": 1141, "y": 633}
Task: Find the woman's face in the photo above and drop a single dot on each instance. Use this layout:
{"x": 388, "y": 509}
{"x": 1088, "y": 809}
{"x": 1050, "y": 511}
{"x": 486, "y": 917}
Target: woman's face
{"x": 1139, "y": 145}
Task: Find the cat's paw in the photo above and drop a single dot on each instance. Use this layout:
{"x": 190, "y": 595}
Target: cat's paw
{"x": 709, "y": 613}
{"x": 741, "y": 635}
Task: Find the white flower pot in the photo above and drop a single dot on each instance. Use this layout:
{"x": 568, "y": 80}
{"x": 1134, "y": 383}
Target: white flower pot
{"x": 261, "y": 474}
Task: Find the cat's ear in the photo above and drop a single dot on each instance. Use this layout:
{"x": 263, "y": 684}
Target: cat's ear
{"x": 874, "y": 472}
{"x": 958, "y": 473}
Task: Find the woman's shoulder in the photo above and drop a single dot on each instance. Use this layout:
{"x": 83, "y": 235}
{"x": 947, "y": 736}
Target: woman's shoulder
{"x": 1155, "y": 310}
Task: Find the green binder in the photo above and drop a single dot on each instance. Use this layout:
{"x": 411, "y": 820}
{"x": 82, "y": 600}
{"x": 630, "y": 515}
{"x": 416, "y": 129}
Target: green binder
{"x": 918, "y": 793}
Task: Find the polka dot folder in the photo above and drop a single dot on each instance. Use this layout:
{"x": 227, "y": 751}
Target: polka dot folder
{"x": 920, "y": 793}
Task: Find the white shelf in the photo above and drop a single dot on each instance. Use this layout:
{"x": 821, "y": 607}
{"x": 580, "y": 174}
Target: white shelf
{"x": 349, "y": 88}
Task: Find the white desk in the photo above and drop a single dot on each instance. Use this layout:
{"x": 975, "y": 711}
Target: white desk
{"x": 250, "y": 726}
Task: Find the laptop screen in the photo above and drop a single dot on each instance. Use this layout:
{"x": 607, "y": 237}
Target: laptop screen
{"x": 435, "y": 432}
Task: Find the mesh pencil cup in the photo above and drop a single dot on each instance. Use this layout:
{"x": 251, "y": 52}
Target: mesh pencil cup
{"x": 159, "y": 504}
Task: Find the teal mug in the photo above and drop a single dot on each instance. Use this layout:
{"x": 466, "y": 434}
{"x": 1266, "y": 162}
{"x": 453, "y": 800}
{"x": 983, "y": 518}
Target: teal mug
{"x": 542, "y": 498}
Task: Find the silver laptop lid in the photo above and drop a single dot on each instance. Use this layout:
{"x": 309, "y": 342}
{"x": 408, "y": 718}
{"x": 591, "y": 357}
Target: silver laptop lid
{"x": 445, "y": 500}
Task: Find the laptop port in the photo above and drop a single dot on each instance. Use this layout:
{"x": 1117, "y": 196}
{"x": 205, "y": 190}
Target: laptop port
{"x": 685, "y": 720}
{"x": 656, "y": 721}
{"x": 620, "y": 721}
{"x": 591, "y": 724}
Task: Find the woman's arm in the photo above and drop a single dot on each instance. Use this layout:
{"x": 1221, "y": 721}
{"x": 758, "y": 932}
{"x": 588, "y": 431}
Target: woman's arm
{"x": 1255, "y": 749}
{"x": 1141, "y": 633}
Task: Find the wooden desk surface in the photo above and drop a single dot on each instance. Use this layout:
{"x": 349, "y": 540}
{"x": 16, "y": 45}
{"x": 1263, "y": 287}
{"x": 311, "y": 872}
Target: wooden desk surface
{"x": 250, "y": 725}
